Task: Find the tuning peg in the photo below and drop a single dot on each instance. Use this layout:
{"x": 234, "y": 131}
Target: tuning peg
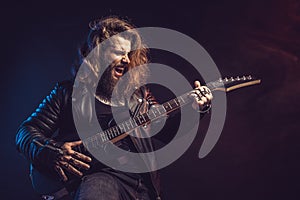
{"x": 249, "y": 77}
{"x": 244, "y": 77}
{"x": 231, "y": 78}
{"x": 237, "y": 78}
{"x": 226, "y": 79}
{"x": 220, "y": 80}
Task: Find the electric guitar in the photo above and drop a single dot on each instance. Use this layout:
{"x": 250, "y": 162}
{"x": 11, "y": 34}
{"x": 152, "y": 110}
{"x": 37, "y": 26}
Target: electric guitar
{"x": 44, "y": 185}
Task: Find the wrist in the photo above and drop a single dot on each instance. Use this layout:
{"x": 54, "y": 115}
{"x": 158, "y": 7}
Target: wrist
{"x": 205, "y": 109}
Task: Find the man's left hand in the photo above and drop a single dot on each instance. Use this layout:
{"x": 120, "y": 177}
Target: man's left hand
{"x": 203, "y": 96}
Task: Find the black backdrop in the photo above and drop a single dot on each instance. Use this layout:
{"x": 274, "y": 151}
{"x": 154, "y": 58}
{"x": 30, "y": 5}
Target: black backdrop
{"x": 257, "y": 155}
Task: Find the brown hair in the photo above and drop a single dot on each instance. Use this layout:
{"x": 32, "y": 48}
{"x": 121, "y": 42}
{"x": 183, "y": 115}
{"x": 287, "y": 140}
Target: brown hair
{"x": 102, "y": 29}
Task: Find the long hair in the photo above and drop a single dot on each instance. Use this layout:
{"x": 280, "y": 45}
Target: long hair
{"x": 102, "y": 29}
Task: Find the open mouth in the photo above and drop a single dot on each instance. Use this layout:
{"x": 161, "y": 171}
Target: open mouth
{"x": 119, "y": 71}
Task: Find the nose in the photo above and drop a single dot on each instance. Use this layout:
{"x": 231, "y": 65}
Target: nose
{"x": 125, "y": 59}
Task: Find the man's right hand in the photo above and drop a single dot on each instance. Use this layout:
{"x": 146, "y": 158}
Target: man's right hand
{"x": 71, "y": 161}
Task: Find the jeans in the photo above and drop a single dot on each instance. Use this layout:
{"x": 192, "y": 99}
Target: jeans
{"x": 111, "y": 186}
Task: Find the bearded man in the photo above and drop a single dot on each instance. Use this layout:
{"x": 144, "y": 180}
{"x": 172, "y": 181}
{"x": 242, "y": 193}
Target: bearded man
{"x": 61, "y": 166}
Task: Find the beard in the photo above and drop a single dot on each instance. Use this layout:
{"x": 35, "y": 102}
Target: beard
{"x": 107, "y": 85}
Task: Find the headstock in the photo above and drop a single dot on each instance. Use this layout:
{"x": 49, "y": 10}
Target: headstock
{"x": 232, "y": 83}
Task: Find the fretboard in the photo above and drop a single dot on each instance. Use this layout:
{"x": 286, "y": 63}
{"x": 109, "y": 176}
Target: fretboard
{"x": 119, "y": 131}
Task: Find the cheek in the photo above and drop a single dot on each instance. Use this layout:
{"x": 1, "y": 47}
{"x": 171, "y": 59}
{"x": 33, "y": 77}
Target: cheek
{"x": 113, "y": 58}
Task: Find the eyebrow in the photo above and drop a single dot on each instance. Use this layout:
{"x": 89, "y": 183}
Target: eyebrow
{"x": 119, "y": 48}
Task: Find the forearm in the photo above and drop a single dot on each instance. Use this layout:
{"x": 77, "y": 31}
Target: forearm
{"x": 30, "y": 141}
{"x": 36, "y": 132}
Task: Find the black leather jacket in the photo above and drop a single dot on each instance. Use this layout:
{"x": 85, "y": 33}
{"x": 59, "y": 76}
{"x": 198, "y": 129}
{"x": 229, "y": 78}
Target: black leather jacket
{"x": 52, "y": 124}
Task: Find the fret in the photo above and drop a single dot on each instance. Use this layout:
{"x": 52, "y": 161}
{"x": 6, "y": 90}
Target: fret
{"x": 175, "y": 100}
{"x": 130, "y": 120}
{"x": 136, "y": 124}
{"x": 182, "y": 99}
{"x": 106, "y": 137}
{"x": 124, "y": 127}
{"x": 109, "y": 134}
{"x": 114, "y": 131}
{"x": 103, "y": 137}
{"x": 158, "y": 110}
{"x": 167, "y": 107}
{"x": 127, "y": 125}
{"x": 153, "y": 112}
{"x": 140, "y": 123}
{"x": 165, "y": 110}
{"x": 151, "y": 115}
{"x": 120, "y": 127}
{"x": 175, "y": 103}
{"x": 117, "y": 130}
{"x": 147, "y": 117}
{"x": 143, "y": 118}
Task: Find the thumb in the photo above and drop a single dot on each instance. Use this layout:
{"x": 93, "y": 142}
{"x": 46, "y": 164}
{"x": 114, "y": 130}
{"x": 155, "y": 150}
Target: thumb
{"x": 197, "y": 84}
{"x": 75, "y": 143}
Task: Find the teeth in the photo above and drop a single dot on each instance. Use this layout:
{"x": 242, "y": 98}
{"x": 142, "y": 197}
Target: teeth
{"x": 119, "y": 69}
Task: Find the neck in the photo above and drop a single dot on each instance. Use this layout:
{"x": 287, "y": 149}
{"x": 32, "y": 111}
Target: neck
{"x": 108, "y": 101}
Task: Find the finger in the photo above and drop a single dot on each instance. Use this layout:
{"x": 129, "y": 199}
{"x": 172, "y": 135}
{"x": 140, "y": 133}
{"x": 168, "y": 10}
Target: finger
{"x": 204, "y": 99}
{"x": 200, "y": 102}
{"x": 197, "y": 84}
{"x": 199, "y": 97}
{"x": 204, "y": 90}
{"x": 209, "y": 97}
{"x": 74, "y": 161}
{"x": 61, "y": 173}
{"x": 81, "y": 156}
{"x": 207, "y": 89}
{"x": 70, "y": 168}
{"x": 75, "y": 143}
{"x": 79, "y": 164}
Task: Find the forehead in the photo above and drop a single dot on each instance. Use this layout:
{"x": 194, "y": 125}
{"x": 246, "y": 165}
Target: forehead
{"x": 120, "y": 43}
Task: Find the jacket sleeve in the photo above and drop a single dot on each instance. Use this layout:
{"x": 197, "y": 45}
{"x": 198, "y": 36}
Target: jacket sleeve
{"x": 33, "y": 137}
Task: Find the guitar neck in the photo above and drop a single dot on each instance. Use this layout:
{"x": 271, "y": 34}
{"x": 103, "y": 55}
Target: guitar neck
{"x": 118, "y": 132}
{"x": 121, "y": 130}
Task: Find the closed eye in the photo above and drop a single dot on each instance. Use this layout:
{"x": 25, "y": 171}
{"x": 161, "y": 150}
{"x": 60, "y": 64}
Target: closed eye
{"x": 118, "y": 52}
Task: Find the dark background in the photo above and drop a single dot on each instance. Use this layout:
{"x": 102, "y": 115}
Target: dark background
{"x": 257, "y": 155}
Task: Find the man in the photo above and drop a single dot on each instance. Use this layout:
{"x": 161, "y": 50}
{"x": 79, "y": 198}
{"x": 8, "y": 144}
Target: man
{"x": 61, "y": 167}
